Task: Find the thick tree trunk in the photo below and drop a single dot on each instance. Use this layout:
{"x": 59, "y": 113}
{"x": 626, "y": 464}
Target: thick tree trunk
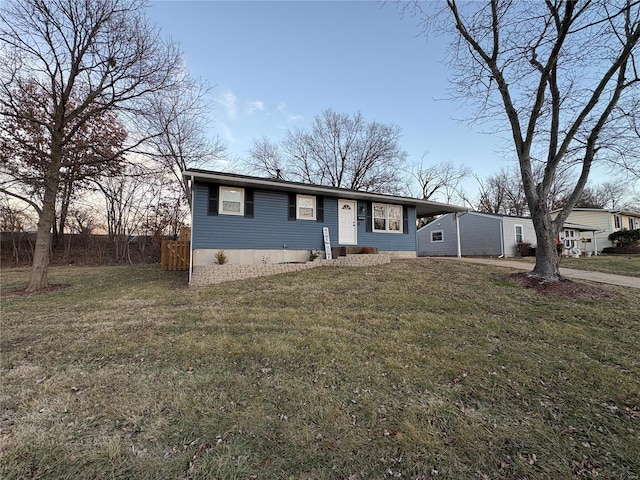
{"x": 547, "y": 267}
{"x": 39, "y": 278}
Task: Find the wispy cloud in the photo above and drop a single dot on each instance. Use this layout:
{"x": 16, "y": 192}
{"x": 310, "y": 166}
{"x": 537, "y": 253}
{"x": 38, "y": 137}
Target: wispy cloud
{"x": 252, "y": 106}
{"x": 229, "y": 101}
{"x": 282, "y": 108}
{"x": 226, "y": 132}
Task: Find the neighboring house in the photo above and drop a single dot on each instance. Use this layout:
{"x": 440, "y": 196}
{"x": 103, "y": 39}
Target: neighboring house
{"x": 260, "y": 221}
{"x": 480, "y": 234}
{"x": 489, "y": 234}
{"x": 605, "y": 222}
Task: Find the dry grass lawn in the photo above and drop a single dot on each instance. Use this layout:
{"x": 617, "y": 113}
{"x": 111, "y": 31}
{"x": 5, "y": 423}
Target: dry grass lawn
{"x": 422, "y": 369}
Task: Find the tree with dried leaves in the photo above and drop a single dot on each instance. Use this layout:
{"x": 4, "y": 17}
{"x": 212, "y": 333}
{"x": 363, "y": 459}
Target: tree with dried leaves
{"x": 340, "y": 150}
{"x": 24, "y": 155}
{"x": 88, "y": 59}
{"x": 562, "y": 76}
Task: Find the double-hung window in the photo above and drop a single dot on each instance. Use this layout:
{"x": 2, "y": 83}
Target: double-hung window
{"x": 519, "y": 233}
{"x": 618, "y": 221}
{"x": 305, "y": 207}
{"x": 231, "y": 201}
{"x": 387, "y": 218}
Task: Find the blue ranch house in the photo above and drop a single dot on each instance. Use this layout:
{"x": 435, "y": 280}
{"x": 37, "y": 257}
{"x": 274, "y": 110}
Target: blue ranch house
{"x": 263, "y": 220}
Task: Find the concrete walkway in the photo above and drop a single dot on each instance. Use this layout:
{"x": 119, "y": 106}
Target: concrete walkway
{"x": 611, "y": 279}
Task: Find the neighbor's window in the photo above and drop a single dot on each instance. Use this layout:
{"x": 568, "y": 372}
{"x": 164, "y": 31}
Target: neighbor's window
{"x": 231, "y": 201}
{"x": 305, "y": 207}
{"x": 437, "y": 236}
{"x": 519, "y": 235}
{"x": 387, "y": 218}
{"x": 632, "y": 224}
{"x": 618, "y": 221}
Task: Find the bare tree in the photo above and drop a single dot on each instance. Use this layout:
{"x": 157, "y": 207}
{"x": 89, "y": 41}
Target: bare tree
{"x": 441, "y": 179}
{"x": 502, "y": 193}
{"x": 88, "y": 58}
{"x": 340, "y": 151}
{"x": 559, "y": 74}
{"x": 266, "y": 158}
{"x": 129, "y": 198}
{"x": 604, "y": 195}
{"x": 181, "y": 115}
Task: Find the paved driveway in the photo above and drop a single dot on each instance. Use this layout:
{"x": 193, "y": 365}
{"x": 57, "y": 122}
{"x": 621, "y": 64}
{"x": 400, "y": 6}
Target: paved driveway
{"x": 621, "y": 280}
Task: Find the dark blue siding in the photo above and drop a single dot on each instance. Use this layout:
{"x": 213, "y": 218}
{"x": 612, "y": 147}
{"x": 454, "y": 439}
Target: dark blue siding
{"x": 387, "y": 241}
{"x": 270, "y": 228}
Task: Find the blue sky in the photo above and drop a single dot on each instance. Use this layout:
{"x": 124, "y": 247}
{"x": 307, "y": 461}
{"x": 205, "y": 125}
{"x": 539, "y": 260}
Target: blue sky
{"x": 277, "y": 65}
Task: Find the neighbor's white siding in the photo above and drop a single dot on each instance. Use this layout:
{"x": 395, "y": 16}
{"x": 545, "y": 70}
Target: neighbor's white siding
{"x": 509, "y": 232}
{"x": 603, "y": 220}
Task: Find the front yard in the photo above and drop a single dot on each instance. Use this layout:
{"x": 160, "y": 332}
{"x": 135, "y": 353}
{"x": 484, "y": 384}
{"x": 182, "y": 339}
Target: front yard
{"x": 421, "y": 369}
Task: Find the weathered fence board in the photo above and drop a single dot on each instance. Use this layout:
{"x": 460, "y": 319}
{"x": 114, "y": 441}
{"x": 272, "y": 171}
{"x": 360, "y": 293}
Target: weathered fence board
{"x": 175, "y": 255}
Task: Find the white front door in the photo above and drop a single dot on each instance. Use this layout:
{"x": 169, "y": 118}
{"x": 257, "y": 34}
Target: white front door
{"x": 347, "y": 225}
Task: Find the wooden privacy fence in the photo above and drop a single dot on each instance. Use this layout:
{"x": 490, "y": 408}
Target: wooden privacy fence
{"x": 175, "y": 254}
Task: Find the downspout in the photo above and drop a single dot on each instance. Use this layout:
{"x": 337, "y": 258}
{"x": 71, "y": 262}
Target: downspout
{"x": 457, "y": 216}
{"x": 501, "y": 238}
{"x": 191, "y": 239}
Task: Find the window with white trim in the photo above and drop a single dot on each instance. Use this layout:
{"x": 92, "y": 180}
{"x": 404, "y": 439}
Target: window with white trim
{"x": 519, "y": 233}
{"x": 387, "y": 218}
{"x": 618, "y": 221}
{"x": 305, "y": 207}
{"x": 231, "y": 201}
{"x": 437, "y": 236}
{"x": 569, "y": 236}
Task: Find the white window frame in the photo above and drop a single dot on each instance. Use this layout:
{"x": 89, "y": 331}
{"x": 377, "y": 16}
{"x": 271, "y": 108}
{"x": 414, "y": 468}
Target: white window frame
{"x": 221, "y": 209}
{"x": 568, "y": 237}
{"x": 617, "y": 221}
{"x": 387, "y": 219}
{"x": 515, "y": 231}
{"x": 441, "y": 232}
{"x": 298, "y": 206}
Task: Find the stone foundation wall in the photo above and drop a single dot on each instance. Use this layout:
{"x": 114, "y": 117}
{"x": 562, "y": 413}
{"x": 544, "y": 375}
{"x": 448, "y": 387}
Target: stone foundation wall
{"x": 212, "y": 274}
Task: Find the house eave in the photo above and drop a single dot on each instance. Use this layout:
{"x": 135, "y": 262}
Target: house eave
{"x": 423, "y": 207}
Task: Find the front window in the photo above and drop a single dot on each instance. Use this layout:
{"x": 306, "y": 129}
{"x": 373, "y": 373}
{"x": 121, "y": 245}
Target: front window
{"x": 437, "y": 236}
{"x": 231, "y": 201}
{"x": 387, "y": 218}
{"x": 519, "y": 234}
{"x": 305, "y": 207}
